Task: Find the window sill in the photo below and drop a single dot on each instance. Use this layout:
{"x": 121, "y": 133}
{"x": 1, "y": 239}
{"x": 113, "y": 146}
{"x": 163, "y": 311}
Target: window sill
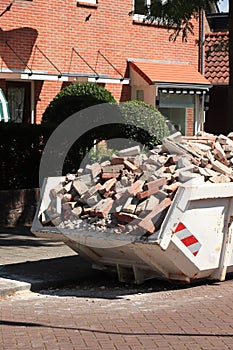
{"x": 87, "y": 4}
{"x": 140, "y": 20}
{"x": 145, "y": 23}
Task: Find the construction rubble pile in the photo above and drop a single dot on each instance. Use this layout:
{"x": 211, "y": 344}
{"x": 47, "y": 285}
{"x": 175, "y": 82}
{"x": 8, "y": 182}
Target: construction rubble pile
{"x": 132, "y": 191}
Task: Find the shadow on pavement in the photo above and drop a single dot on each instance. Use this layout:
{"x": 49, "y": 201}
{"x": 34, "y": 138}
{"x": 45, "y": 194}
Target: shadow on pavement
{"x": 81, "y": 329}
{"x": 104, "y": 285}
{"x": 22, "y": 236}
{"x": 73, "y": 276}
{"x": 47, "y": 273}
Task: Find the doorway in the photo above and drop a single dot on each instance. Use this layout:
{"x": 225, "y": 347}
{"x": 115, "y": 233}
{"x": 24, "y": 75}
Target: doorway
{"x": 18, "y": 95}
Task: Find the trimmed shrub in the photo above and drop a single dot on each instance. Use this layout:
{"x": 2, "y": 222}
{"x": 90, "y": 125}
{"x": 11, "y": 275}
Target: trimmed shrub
{"x": 149, "y": 125}
{"x": 70, "y": 100}
{"x": 74, "y": 98}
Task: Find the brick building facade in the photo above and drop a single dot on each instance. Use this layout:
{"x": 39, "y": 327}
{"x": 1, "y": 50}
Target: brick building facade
{"x": 46, "y": 45}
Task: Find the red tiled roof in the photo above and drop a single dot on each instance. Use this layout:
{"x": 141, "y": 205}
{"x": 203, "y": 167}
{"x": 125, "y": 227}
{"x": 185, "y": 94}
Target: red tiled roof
{"x": 217, "y": 59}
{"x": 173, "y": 73}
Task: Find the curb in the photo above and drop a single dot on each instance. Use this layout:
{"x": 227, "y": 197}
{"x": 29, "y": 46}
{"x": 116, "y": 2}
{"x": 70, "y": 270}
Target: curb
{"x": 9, "y": 286}
{"x": 44, "y": 274}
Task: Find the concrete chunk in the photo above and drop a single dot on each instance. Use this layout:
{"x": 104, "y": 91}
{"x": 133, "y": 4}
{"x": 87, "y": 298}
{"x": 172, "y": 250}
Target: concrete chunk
{"x": 128, "y": 152}
{"x": 80, "y": 186}
{"x": 218, "y": 166}
{"x": 185, "y": 176}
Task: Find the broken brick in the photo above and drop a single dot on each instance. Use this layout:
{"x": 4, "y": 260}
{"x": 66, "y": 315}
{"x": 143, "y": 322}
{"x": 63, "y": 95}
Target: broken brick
{"x": 77, "y": 211}
{"x": 219, "y": 153}
{"x": 129, "y": 206}
{"x": 106, "y": 187}
{"x": 106, "y": 176}
{"x": 95, "y": 169}
{"x": 147, "y": 193}
{"x": 148, "y": 223}
{"x": 117, "y": 160}
{"x": 113, "y": 168}
{"x": 125, "y": 217}
{"x": 172, "y": 188}
{"x": 135, "y": 188}
{"x": 91, "y": 191}
{"x": 103, "y": 207}
{"x": 130, "y": 166}
{"x": 155, "y": 183}
{"x": 80, "y": 186}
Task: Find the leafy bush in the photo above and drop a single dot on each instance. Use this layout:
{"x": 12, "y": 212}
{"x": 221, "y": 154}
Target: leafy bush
{"x": 74, "y": 98}
{"x": 70, "y": 100}
{"x": 148, "y": 126}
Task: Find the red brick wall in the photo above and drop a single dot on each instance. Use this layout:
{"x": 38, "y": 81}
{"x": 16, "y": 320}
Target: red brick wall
{"x": 189, "y": 121}
{"x": 44, "y": 93}
{"x": 57, "y": 26}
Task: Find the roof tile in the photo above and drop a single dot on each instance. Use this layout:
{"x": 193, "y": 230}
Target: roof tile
{"x": 176, "y": 73}
{"x": 217, "y": 59}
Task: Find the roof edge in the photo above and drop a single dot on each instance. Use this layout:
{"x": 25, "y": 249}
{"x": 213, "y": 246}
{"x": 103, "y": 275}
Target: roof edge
{"x": 140, "y": 72}
{"x": 183, "y": 86}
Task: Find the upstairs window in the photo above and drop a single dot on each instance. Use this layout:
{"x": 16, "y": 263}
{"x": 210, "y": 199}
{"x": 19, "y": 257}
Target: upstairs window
{"x": 146, "y": 8}
{"x": 143, "y": 7}
{"x": 87, "y": 2}
{"x": 140, "y": 6}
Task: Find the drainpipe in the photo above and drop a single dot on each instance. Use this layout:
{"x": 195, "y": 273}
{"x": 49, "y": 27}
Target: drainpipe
{"x": 201, "y": 68}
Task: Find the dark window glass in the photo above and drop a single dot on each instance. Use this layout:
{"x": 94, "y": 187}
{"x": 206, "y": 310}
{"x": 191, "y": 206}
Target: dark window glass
{"x": 139, "y": 7}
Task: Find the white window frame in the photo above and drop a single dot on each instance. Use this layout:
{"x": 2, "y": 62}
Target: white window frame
{"x": 91, "y": 2}
{"x": 138, "y": 17}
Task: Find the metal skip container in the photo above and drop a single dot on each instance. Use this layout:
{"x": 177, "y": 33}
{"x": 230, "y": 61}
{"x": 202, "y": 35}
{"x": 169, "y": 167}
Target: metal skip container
{"x": 194, "y": 241}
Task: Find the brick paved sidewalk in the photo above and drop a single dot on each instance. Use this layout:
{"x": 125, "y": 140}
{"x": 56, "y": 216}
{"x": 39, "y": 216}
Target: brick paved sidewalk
{"x": 29, "y": 262}
{"x": 190, "y": 318}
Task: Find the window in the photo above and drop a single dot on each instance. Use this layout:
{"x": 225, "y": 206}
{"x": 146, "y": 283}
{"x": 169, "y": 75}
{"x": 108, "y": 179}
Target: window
{"x": 142, "y": 6}
{"x": 86, "y": 2}
{"x": 139, "y": 95}
{"x": 19, "y": 101}
{"x": 139, "y": 7}
{"x": 173, "y": 107}
{"x": 177, "y": 117}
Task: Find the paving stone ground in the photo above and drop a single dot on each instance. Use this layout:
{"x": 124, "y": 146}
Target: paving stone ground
{"x": 98, "y": 317}
{"x": 93, "y": 311}
{"x": 31, "y": 263}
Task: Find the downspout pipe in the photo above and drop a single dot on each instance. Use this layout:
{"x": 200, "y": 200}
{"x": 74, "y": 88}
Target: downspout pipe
{"x": 201, "y": 67}
{"x": 200, "y": 114}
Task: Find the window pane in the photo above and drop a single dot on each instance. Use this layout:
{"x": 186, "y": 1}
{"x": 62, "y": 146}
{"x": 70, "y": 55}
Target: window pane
{"x": 16, "y": 103}
{"x": 139, "y": 7}
{"x": 177, "y": 117}
{"x": 176, "y": 100}
{"x": 152, "y": 7}
{"x": 140, "y": 95}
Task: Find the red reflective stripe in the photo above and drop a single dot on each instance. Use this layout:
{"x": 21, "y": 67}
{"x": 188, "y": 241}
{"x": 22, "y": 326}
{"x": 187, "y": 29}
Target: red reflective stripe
{"x": 189, "y": 240}
{"x": 195, "y": 253}
{"x": 180, "y": 227}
